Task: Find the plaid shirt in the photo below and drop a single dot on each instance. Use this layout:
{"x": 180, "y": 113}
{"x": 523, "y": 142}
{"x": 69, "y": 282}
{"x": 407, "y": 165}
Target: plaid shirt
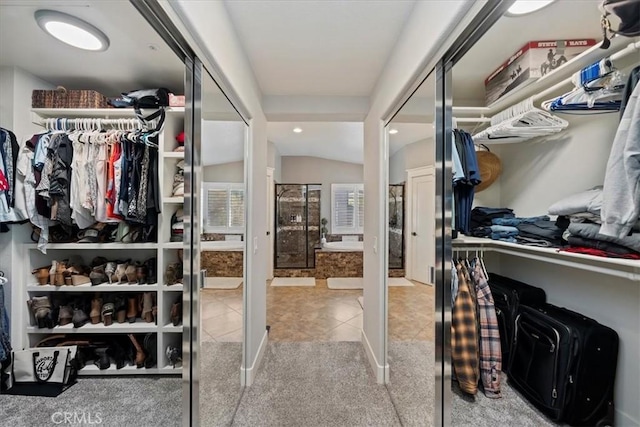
{"x": 490, "y": 351}
{"x": 464, "y": 335}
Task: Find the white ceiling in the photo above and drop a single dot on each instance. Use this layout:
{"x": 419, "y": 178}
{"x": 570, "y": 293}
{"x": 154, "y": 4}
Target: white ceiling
{"x": 128, "y": 64}
{"x": 318, "y": 47}
{"x": 330, "y": 140}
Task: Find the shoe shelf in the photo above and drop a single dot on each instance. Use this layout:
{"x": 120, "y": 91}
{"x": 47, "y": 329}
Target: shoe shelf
{"x": 170, "y": 328}
{"x": 139, "y": 327}
{"x": 178, "y": 287}
{"x": 105, "y": 287}
{"x": 95, "y": 246}
{"x": 174, "y": 155}
{"x": 173, "y": 200}
{"x": 173, "y": 245}
{"x": 92, "y": 370}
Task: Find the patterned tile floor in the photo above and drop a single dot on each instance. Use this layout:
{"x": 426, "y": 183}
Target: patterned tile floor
{"x": 318, "y": 313}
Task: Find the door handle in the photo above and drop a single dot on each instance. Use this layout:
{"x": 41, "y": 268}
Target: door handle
{"x": 268, "y": 233}
{"x": 414, "y": 234}
{"x": 203, "y": 274}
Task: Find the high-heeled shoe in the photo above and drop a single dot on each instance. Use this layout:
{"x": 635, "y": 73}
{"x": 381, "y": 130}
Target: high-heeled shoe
{"x": 76, "y": 275}
{"x": 141, "y": 274}
{"x": 121, "y": 309}
{"x": 96, "y": 310}
{"x": 140, "y": 356}
{"x": 147, "y": 307}
{"x": 52, "y": 272}
{"x": 176, "y": 313}
{"x": 102, "y": 358}
{"x": 61, "y": 267}
{"x": 151, "y": 265}
{"x": 132, "y": 309}
{"x": 42, "y": 274}
{"x": 130, "y": 273}
{"x": 107, "y": 313}
{"x": 120, "y": 274}
{"x": 97, "y": 275}
{"x": 65, "y": 315}
{"x": 109, "y": 270}
{"x": 41, "y": 309}
{"x": 80, "y": 318}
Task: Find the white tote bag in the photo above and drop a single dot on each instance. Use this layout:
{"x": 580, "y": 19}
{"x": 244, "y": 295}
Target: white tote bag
{"x": 42, "y": 371}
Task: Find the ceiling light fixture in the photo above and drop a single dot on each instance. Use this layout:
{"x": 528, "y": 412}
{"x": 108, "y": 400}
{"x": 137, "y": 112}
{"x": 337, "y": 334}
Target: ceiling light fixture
{"x": 297, "y": 130}
{"x": 71, "y": 30}
{"x": 523, "y": 7}
{"x": 393, "y": 131}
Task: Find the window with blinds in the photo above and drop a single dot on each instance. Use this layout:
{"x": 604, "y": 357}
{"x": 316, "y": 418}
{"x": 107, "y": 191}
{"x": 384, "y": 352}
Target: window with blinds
{"x": 223, "y": 207}
{"x": 347, "y": 208}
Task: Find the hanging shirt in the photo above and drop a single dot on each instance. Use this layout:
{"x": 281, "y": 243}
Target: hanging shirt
{"x": 464, "y": 335}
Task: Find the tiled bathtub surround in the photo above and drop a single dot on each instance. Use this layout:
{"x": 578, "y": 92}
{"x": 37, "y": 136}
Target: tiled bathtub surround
{"x": 338, "y": 264}
{"x": 222, "y": 263}
{"x": 216, "y": 237}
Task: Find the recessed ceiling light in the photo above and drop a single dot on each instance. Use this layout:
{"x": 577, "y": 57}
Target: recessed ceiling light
{"x": 523, "y": 7}
{"x": 71, "y": 30}
{"x": 393, "y": 131}
{"x": 297, "y": 130}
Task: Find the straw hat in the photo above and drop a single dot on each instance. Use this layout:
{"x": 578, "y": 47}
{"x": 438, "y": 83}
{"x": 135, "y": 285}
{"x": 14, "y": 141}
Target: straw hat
{"x": 490, "y": 169}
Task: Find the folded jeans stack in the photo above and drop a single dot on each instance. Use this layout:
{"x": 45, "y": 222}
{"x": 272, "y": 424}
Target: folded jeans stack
{"x": 543, "y": 230}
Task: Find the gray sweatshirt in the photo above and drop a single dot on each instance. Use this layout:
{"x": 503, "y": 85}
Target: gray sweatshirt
{"x": 621, "y": 193}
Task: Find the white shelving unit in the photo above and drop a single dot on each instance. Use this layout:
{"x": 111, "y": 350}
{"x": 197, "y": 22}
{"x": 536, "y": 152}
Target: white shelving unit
{"x": 164, "y": 251}
{"x": 625, "y": 268}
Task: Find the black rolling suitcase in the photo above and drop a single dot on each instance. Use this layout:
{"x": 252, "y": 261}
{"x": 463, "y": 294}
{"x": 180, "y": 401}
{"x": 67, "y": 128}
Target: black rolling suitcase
{"x": 507, "y": 295}
{"x": 565, "y": 364}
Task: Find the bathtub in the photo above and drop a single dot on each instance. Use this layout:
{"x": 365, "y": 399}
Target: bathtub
{"x": 222, "y": 245}
{"x": 343, "y": 247}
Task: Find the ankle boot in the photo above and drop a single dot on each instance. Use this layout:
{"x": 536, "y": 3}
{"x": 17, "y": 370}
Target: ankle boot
{"x": 130, "y": 273}
{"x": 97, "y": 275}
{"x": 52, "y": 272}
{"x": 121, "y": 309}
{"x": 42, "y": 275}
{"x": 141, "y": 274}
{"x": 151, "y": 349}
{"x": 96, "y": 308}
{"x": 109, "y": 271}
{"x": 147, "y": 307}
{"x": 119, "y": 276}
{"x": 80, "y": 318}
{"x": 102, "y": 358}
{"x": 132, "y": 309}
{"x": 176, "y": 313}
{"x": 60, "y": 270}
{"x": 151, "y": 270}
{"x": 41, "y": 308}
{"x": 65, "y": 315}
{"x": 107, "y": 313}
{"x": 140, "y": 356}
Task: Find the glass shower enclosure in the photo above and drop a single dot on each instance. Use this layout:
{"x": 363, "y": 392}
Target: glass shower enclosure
{"x": 297, "y": 225}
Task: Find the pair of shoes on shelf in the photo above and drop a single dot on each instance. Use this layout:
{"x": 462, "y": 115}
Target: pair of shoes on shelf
{"x": 40, "y": 308}
{"x": 146, "y": 354}
{"x": 143, "y": 306}
{"x": 176, "y": 312}
{"x": 173, "y": 274}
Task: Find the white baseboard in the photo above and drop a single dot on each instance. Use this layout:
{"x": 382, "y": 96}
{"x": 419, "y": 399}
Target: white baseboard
{"x": 623, "y": 419}
{"x": 249, "y": 374}
{"x": 381, "y": 371}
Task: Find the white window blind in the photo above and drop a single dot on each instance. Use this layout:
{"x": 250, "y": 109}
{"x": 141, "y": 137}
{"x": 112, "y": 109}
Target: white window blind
{"x": 347, "y": 208}
{"x": 223, "y": 207}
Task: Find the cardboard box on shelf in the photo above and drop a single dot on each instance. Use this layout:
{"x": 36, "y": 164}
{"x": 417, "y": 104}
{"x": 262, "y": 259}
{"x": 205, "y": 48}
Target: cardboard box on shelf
{"x": 176, "y": 100}
{"x": 529, "y": 63}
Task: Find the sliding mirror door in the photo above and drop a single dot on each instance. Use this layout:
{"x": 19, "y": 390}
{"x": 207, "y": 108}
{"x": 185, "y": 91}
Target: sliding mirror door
{"x": 411, "y": 258}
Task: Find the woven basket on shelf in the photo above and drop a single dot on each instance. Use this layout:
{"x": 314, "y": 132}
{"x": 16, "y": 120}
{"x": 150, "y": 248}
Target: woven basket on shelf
{"x": 63, "y": 98}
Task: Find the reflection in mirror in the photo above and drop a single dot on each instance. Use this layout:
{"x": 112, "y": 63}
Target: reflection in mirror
{"x": 222, "y": 190}
{"x": 411, "y": 330}
{"x": 534, "y": 150}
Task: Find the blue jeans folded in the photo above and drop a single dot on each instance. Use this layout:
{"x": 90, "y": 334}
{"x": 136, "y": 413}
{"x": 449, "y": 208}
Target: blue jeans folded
{"x": 499, "y": 236}
{"x": 504, "y": 229}
{"x": 517, "y": 221}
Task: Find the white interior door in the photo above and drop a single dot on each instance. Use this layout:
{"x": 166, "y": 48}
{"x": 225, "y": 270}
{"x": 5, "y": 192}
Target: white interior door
{"x": 271, "y": 219}
{"x": 423, "y": 228}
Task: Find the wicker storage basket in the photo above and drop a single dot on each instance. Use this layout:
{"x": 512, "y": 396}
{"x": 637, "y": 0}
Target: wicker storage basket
{"x": 62, "y": 98}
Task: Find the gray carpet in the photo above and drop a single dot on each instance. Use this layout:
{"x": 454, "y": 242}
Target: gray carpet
{"x": 315, "y": 384}
{"x": 411, "y": 381}
{"x": 220, "y": 389}
{"x": 118, "y": 402}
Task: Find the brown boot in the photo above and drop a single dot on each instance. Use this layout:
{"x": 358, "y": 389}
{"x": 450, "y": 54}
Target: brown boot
{"x": 96, "y": 309}
{"x": 140, "y": 356}
{"x": 61, "y": 267}
{"x": 132, "y": 309}
{"x": 42, "y": 274}
{"x": 147, "y": 307}
{"x": 176, "y": 313}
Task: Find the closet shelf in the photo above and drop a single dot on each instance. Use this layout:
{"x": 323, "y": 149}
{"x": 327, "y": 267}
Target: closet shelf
{"x": 556, "y": 79}
{"x": 100, "y": 113}
{"x": 173, "y": 155}
{"x": 173, "y": 200}
{"x": 625, "y": 268}
{"x": 173, "y": 245}
{"x": 178, "y": 287}
{"x": 170, "y": 328}
{"x": 101, "y": 246}
{"x": 139, "y": 326}
{"x": 105, "y": 287}
{"x": 128, "y": 370}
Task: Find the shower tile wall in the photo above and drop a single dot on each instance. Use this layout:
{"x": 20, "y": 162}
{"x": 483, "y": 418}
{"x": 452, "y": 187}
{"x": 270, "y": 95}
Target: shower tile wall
{"x": 298, "y": 225}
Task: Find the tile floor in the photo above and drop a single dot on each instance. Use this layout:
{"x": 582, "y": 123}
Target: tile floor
{"x": 318, "y": 314}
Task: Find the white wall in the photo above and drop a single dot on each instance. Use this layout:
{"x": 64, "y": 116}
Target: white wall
{"x": 418, "y": 154}
{"x": 274, "y": 160}
{"x": 537, "y": 174}
{"x": 315, "y": 170}
{"x": 208, "y": 26}
{"x": 431, "y": 28}
{"x": 15, "y": 114}
{"x": 226, "y": 172}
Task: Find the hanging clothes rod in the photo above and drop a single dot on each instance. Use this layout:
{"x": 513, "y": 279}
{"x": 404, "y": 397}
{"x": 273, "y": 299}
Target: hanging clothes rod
{"x": 473, "y": 119}
{"x": 88, "y": 124}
